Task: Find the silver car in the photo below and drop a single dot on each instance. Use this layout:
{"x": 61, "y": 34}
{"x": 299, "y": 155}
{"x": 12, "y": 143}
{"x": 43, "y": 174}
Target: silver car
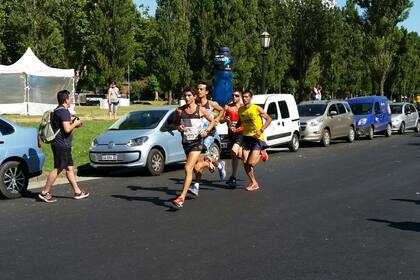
{"x": 321, "y": 121}
{"x": 143, "y": 138}
{"x": 404, "y": 116}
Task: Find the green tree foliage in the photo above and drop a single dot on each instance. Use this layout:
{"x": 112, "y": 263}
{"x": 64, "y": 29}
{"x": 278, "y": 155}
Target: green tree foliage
{"x": 111, "y": 40}
{"x": 173, "y": 19}
{"x": 348, "y": 52}
{"x": 380, "y": 21}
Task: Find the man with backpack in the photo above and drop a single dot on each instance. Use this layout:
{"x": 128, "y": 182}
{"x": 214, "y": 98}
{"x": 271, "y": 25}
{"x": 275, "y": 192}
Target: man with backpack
{"x": 62, "y": 123}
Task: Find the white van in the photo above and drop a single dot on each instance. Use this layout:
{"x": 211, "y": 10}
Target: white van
{"x": 283, "y": 130}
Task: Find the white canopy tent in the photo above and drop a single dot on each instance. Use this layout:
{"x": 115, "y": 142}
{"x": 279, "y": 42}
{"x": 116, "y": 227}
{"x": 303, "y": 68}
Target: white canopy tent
{"x": 29, "y": 87}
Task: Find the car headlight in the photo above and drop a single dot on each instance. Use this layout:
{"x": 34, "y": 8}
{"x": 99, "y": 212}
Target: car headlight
{"x": 137, "y": 141}
{"x": 315, "y": 122}
{"x": 93, "y": 144}
{"x": 396, "y": 121}
{"x": 362, "y": 121}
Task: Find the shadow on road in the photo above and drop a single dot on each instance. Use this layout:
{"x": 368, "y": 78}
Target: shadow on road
{"x": 410, "y": 226}
{"x": 204, "y": 182}
{"x": 88, "y": 171}
{"x": 407, "y": 200}
{"x": 156, "y": 200}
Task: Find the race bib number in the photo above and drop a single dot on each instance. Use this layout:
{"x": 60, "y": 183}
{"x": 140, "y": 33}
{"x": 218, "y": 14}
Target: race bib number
{"x": 191, "y": 133}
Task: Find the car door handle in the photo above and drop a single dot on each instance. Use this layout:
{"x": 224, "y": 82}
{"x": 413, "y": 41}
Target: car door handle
{"x": 1, "y": 142}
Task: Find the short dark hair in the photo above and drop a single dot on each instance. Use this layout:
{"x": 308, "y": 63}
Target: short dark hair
{"x": 190, "y": 89}
{"x": 248, "y": 91}
{"x": 238, "y": 91}
{"x": 206, "y": 83}
{"x": 62, "y": 96}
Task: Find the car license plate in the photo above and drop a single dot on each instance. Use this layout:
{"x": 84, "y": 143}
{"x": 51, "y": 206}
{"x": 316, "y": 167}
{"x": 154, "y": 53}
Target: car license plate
{"x": 109, "y": 157}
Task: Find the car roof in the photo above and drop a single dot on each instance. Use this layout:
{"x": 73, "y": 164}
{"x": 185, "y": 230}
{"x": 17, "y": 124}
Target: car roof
{"x": 160, "y": 108}
{"x": 262, "y": 98}
{"x": 320, "y": 102}
{"x": 366, "y": 99}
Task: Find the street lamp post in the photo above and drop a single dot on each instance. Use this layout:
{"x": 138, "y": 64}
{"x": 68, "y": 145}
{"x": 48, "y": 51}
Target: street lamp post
{"x": 265, "y": 44}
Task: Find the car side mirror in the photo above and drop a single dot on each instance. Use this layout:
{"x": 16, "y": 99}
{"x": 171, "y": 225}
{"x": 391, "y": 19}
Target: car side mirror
{"x": 407, "y": 112}
{"x": 333, "y": 113}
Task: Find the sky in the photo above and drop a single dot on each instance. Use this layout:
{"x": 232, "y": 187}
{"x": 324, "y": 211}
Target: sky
{"x": 412, "y": 23}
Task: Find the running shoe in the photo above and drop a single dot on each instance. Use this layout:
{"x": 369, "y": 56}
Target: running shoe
{"x": 231, "y": 181}
{"x": 178, "y": 202}
{"x": 81, "y": 195}
{"x": 222, "y": 170}
{"x": 47, "y": 197}
{"x": 252, "y": 187}
{"x": 264, "y": 155}
{"x": 194, "y": 188}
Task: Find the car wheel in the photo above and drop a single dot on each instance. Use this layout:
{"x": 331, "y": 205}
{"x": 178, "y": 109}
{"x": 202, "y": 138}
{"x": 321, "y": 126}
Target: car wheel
{"x": 13, "y": 179}
{"x": 402, "y": 128}
{"x": 371, "y": 133}
{"x": 294, "y": 143}
{"x": 326, "y": 138}
{"x": 214, "y": 152}
{"x": 352, "y": 135}
{"x": 388, "y": 131}
{"x": 417, "y": 127}
{"x": 155, "y": 162}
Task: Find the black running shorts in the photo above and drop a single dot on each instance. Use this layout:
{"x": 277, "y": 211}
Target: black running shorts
{"x": 62, "y": 157}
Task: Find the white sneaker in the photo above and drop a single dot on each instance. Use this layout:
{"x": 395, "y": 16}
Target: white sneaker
{"x": 194, "y": 189}
{"x": 222, "y": 170}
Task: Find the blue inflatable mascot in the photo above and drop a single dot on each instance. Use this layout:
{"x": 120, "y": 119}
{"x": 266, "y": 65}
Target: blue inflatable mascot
{"x": 223, "y": 76}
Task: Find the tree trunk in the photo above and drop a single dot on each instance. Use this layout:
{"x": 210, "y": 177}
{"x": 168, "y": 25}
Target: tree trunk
{"x": 382, "y": 85}
{"x": 170, "y": 97}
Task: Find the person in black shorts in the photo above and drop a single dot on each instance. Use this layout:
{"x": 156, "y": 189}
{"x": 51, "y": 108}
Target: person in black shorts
{"x": 234, "y": 133}
{"x": 61, "y": 148}
{"x": 188, "y": 120}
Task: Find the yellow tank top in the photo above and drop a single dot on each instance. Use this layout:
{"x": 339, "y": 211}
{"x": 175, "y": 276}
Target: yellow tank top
{"x": 251, "y": 121}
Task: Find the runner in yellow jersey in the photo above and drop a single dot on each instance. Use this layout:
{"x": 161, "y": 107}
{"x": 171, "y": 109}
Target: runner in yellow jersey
{"x": 251, "y": 118}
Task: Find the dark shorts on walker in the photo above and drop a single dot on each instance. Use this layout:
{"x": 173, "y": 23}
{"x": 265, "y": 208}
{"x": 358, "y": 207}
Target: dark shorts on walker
{"x": 252, "y": 143}
{"x": 62, "y": 157}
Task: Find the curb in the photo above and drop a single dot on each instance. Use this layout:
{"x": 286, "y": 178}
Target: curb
{"x": 39, "y": 181}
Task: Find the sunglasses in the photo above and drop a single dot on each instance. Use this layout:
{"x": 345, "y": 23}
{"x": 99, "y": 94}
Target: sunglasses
{"x": 236, "y": 95}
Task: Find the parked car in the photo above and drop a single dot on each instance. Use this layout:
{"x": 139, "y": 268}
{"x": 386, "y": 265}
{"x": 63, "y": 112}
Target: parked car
{"x": 322, "y": 121}
{"x": 284, "y": 128}
{"x": 372, "y": 115}
{"x": 404, "y": 116}
{"x": 143, "y": 138}
{"x": 21, "y": 158}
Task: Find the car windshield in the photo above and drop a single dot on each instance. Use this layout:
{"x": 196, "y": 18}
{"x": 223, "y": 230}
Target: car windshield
{"x": 311, "y": 110}
{"x": 361, "y": 108}
{"x": 139, "y": 120}
{"x": 396, "y": 109}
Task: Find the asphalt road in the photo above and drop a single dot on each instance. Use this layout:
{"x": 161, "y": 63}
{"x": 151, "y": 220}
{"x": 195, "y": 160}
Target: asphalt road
{"x": 349, "y": 211}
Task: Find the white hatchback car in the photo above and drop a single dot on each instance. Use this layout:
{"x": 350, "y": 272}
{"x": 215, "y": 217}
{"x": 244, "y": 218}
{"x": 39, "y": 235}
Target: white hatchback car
{"x": 143, "y": 138}
{"x": 404, "y": 116}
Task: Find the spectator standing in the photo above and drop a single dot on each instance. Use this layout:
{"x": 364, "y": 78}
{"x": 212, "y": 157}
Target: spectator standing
{"x": 113, "y": 100}
{"x": 251, "y": 118}
{"x": 61, "y": 148}
{"x": 317, "y": 92}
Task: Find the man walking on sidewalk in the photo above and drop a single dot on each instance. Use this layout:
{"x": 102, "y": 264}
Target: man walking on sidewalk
{"x": 61, "y": 148}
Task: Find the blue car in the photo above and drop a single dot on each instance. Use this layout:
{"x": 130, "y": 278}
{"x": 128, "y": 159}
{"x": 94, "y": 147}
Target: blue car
{"x": 372, "y": 115}
{"x": 21, "y": 158}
